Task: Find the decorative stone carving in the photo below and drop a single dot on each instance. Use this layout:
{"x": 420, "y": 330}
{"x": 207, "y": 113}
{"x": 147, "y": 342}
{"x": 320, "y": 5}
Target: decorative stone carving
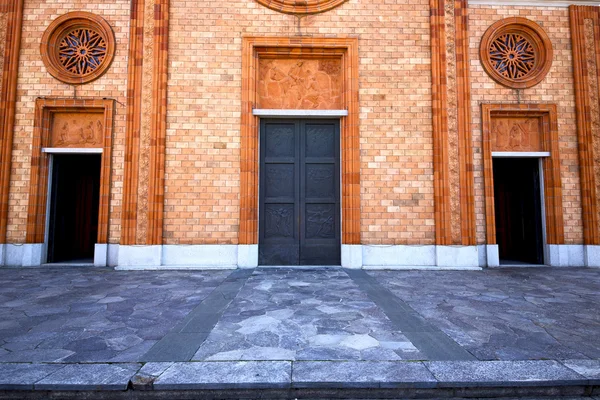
{"x": 301, "y": 6}
{"x": 516, "y": 52}
{"x": 77, "y": 130}
{"x": 300, "y": 84}
{"x": 516, "y": 134}
{"x": 78, "y": 47}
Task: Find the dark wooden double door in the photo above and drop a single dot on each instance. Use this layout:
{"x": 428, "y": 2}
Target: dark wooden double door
{"x": 299, "y": 192}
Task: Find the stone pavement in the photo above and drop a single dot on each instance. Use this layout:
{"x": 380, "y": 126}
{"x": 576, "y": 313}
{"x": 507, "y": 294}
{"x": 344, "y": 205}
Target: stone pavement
{"x": 300, "y": 333}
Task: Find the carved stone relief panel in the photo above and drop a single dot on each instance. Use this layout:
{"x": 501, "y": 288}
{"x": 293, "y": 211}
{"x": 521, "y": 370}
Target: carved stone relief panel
{"x": 516, "y": 134}
{"x": 77, "y": 130}
{"x": 300, "y": 84}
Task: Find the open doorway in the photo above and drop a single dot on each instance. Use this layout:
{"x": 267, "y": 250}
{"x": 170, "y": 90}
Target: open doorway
{"x": 518, "y": 206}
{"x": 74, "y": 203}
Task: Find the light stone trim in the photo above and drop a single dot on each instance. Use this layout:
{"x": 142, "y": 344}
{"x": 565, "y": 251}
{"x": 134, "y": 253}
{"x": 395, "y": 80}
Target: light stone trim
{"x": 74, "y": 150}
{"x": 520, "y": 154}
{"x": 263, "y": 112}
{"x": 534, "y": 3}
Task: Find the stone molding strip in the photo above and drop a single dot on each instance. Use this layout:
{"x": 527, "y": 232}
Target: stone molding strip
{"x": 158, "y": 134}
{"x": 585, "y": 36}
{"x": 8, "y": 96}
{"x": 453, "y": 173}
{"x": 132, "y": 132}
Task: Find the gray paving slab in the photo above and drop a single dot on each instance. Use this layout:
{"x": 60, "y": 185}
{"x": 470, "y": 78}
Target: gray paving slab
{"x": 188, "y": 335}
{"x": 311, "y": 314}
{"x": 94, "y": 315}
{"x": 20, "y": 376}
{"x": 588, "y": 368}
{"x": 225, "y": 375}
{"x": 430, "y": 340}
{"x": 75, "y": 377}
{"x": 361, "y": 374}
{"x": 503, "y": 373}
{"x": 508, "y": 313}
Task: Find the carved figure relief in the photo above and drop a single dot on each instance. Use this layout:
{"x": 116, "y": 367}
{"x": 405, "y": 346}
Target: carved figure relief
{"x": 516, "y": 134}
{"x": 301, "y": 6}
{"x": 300, "y": 84}
{"x": 78, "y": 47}
{"x": 516, "y": 52}
{"x": 84, "y": 130}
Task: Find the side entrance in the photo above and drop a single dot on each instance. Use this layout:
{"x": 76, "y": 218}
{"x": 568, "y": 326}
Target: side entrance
{"x": 299, "y": 192}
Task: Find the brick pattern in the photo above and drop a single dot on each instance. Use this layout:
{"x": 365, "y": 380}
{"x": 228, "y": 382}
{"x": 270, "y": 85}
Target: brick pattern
{"x": 8, "y": 106}
{"x": 551, "y": 165}
{"x": 557, "y": 87}
{"x": 203, "y": 193}
{"x": 585, "y": 26}
{"x": 453, "y": 178}
{"x": 284, "y": 48}
{"x": 40, "y": 162}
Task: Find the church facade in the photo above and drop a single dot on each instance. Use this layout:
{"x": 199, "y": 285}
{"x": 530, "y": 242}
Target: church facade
{"x": 435, "y": 134}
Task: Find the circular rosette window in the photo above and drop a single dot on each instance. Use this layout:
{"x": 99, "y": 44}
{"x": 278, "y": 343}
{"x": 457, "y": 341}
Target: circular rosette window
{"x": 516, "y": 52}
{"x": 301, "y": 6}
{"x": 78, "y": 47}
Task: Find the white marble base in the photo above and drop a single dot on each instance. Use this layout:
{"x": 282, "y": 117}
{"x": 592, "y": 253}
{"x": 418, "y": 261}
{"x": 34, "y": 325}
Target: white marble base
{"x": 592, "y": 256}
{"x": 23, "y": 255}
{"x": 565, "y": 255}
{"x": 136, "y": 256}
{"x": 100, "y": 255}
{"x": 210, "y": 256}
{"x": 247, "y": 255}
{"x": 492, "y": 255}
{"x": 352, "y": 256}
{"x": 462, "y": 257}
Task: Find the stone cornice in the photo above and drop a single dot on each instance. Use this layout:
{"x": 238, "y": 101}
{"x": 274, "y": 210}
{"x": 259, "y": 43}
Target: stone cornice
{"x": 535, "y": 3}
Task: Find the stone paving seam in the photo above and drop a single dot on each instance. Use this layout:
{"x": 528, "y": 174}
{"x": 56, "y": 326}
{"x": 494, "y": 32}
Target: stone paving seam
{"x": 187, "y": 336}
{"x": 23, "y": 376}
{"x": 427, "y": 338}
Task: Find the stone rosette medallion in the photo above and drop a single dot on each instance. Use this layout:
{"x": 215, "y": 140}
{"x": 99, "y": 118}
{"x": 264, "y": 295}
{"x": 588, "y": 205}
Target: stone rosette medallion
{"x": 301, "y": 6}
{"x": 78, "y": 47}
{"x": 516, "y": 53}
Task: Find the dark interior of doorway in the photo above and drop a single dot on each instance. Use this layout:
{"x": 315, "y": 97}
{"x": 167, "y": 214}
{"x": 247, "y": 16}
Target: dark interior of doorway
{"x": 517, "y": 200}
{"x": 74, "y": 201}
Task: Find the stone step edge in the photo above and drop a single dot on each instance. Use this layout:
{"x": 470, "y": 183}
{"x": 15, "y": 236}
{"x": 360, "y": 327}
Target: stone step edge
{"x": 290, "y": 375}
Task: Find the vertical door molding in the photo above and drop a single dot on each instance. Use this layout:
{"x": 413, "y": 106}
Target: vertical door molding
{"x": 585, "y": 37}
{"x": 42, "y": 137}
{"x": 253, "y": 48}
{"x": 8, "y": 97}
{"x": 133, "y": 127}
{"x": 452, "y": 149}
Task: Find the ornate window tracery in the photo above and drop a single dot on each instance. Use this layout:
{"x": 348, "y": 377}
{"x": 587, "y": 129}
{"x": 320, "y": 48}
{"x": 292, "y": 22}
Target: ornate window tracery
{"x": 301, "y": 6}
{"x": 78, "y": 47}
{"x": 516, "y": 52}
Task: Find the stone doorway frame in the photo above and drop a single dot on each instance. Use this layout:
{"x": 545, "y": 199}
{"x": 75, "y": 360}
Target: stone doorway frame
{"x": 40, "y": 162}
{"x": 551, "y": 166}
{"x": 253, "y": 48}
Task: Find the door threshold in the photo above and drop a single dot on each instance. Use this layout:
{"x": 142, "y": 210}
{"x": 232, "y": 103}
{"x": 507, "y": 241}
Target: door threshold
{"x": 300, "y": 266}
{"x": 66, "y": 264}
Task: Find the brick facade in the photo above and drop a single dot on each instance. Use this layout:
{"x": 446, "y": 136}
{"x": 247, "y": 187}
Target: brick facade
{"x": 177, "y": 148}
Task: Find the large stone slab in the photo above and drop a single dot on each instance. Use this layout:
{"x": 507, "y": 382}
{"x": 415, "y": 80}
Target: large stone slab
{"x": 503, "y": 373}
{"x": 361, "y": 374}
{"x": 90, "y": 377}
{"x": 17, "y": 376}
{"x": 587, "y": 368}
{"x": 226, "y": 375}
